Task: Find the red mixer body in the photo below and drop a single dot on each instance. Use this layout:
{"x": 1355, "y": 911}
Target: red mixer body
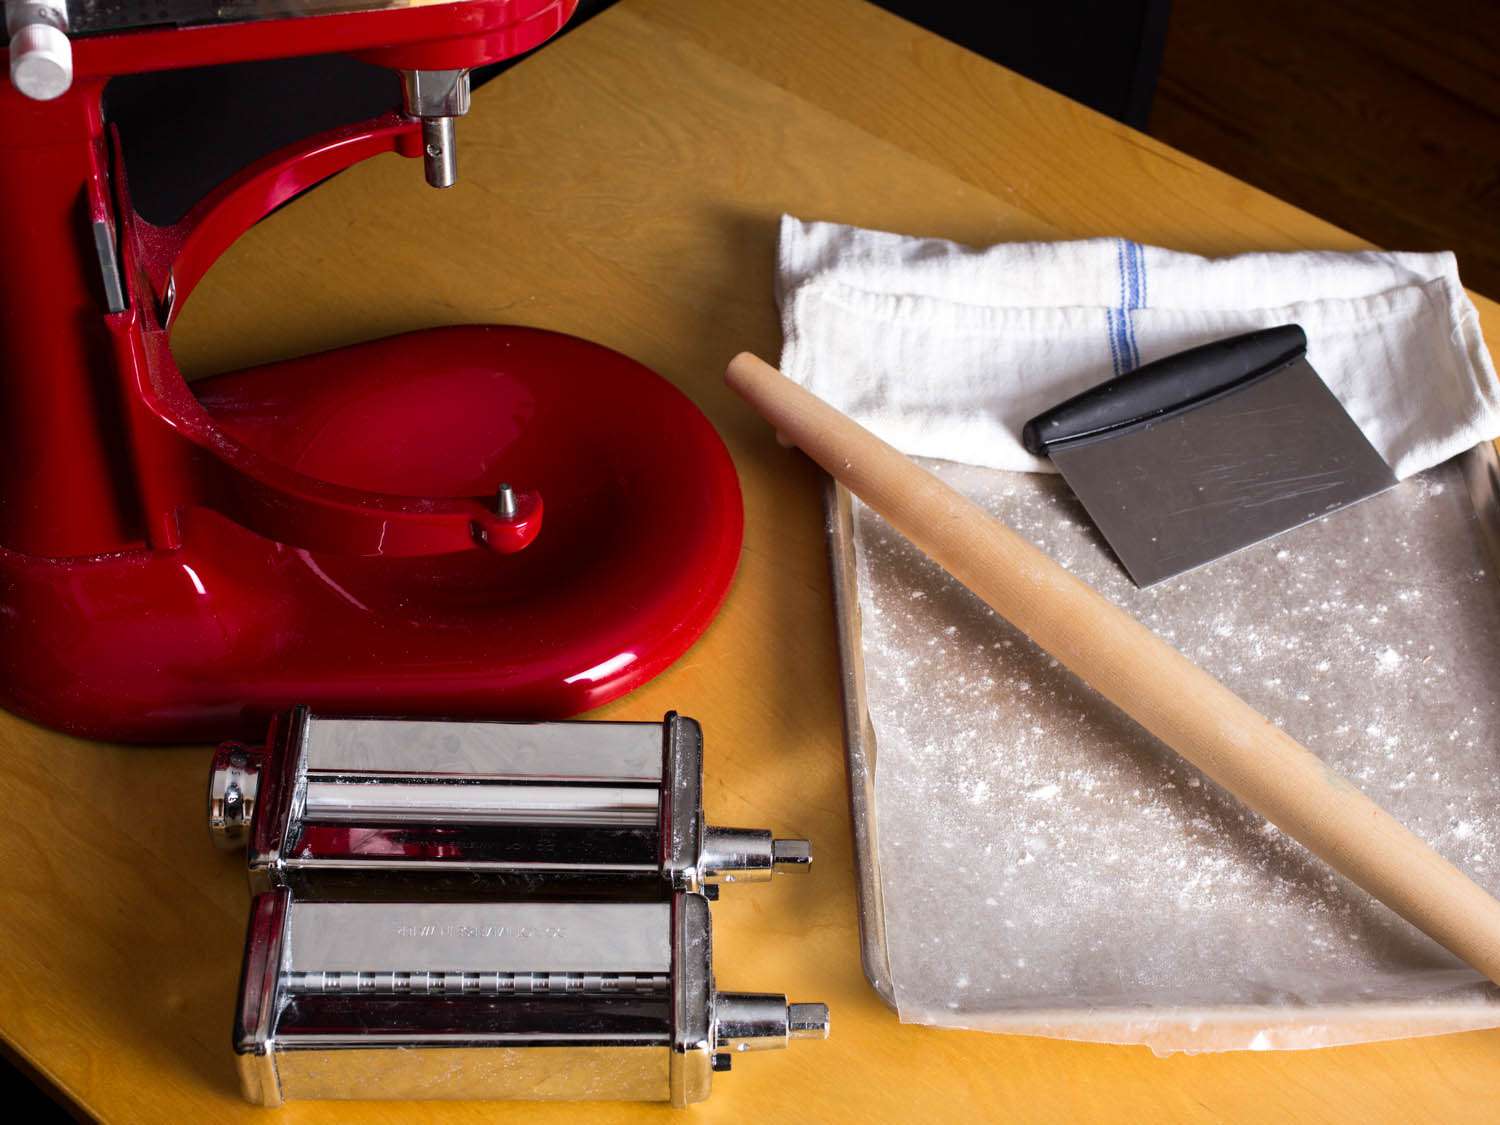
{"x": 177, "y": 564}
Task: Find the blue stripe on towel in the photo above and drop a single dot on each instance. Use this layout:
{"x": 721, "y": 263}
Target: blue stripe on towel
{"x": 1120, "y": 341}
{"x": 1119, "y": 324}
{"x": 1114, "y": 346}
{"x": 1131, "y": 258}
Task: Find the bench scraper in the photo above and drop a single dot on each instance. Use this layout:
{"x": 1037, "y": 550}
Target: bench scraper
{"x": 1207, "y": 451}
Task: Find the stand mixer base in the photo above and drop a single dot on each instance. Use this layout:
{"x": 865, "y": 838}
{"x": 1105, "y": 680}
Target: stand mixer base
{"x": 641, "y": 539}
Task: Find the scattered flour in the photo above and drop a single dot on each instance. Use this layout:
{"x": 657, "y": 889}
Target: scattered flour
{"x": 1038, "y": 846}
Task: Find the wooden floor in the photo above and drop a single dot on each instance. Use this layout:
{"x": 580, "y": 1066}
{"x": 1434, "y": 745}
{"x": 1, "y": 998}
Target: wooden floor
{"x": 1381, "y": 117}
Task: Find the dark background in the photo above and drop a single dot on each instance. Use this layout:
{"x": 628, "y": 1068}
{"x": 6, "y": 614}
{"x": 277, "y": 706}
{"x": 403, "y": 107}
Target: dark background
{"x": 1381, "y": 117}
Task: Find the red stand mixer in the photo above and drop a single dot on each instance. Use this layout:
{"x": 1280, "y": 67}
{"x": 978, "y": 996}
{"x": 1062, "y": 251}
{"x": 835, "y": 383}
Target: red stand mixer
{"x": 359, "y": 527}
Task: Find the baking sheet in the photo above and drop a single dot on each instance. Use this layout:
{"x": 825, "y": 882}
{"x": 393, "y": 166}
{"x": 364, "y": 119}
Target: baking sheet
{"x": 1032, "y": 861}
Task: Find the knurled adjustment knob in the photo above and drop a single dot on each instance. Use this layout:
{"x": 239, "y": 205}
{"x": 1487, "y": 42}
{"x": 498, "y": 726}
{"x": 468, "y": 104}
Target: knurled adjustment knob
{"x": 41, "y": 61}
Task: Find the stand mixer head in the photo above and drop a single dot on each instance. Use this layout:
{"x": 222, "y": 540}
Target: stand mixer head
{"x": 367, "y": 522}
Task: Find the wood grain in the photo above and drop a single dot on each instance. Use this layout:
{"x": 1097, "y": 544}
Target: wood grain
{"x": 624, "y": 184}
{"x": 1384, "y": 117}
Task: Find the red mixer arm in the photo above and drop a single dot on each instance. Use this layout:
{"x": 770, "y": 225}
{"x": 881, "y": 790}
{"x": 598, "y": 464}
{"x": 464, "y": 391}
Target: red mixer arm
{"x": 184, "y": 458}
{"x": 464, "y": 33}
{"x": 175, "y": 258}
{"x": 73, "y": 365}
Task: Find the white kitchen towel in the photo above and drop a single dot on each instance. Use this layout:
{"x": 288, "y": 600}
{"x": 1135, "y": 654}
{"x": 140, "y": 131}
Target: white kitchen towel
{"x": 946, "y": 350}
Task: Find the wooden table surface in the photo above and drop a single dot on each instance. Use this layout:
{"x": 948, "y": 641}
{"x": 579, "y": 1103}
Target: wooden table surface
{"x": 625, "y": 185}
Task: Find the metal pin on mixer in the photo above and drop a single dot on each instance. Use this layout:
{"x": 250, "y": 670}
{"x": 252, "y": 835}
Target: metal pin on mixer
{"x": 436, "y": 97}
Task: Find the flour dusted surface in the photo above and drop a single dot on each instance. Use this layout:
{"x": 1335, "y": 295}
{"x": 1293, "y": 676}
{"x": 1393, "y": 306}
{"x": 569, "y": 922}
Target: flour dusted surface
{"x": 1040, "y": 853}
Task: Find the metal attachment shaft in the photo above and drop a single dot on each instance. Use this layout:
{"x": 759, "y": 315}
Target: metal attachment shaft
{"x": 437, "y": 97}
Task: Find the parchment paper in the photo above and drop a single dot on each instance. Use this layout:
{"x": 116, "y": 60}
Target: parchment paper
{"x": 1048, "y": 867}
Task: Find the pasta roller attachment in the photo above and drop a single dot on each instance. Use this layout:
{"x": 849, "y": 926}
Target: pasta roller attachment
{"x": 336, "y": 803}
{"x": 516, "y": 999}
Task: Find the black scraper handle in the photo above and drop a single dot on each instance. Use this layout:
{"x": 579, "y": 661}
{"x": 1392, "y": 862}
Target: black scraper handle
{"x": 1165, "y": 387}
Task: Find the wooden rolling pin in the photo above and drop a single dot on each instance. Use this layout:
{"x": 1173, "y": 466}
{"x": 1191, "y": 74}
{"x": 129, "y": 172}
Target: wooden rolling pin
{"x": 1138, "y": 672}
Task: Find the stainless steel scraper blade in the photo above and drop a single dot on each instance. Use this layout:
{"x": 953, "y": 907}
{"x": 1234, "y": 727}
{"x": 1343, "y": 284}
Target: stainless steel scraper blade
{"x": 1180, "y": 491}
